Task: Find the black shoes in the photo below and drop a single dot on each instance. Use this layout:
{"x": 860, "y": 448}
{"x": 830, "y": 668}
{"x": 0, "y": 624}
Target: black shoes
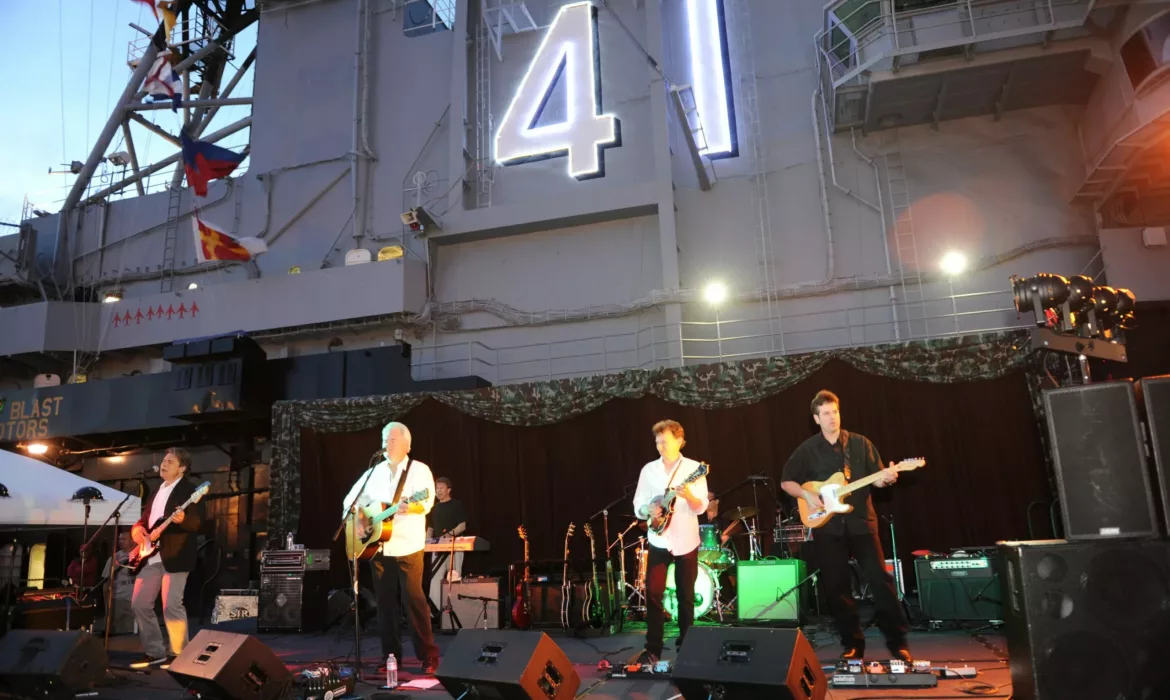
{"x": 148, "y": 662}
{"x": 430, "y": 666}
{"x": 902, "y": 654}
{"x": 853, "y": 654}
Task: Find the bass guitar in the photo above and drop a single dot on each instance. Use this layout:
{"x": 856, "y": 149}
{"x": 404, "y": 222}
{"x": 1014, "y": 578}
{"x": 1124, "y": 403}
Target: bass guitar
{"x": 147, "y": 549}
{"x": 374, "y": 526}
{"x": 835, "y": 489}
{"x": 521, "y": 615}
{"x": 659, "y": 524}
{"x": 566, "y": 584}
{"x": 591, "y": 611}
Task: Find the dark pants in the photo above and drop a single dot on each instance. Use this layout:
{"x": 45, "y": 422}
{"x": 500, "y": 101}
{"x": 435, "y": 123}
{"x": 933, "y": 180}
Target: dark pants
{"x": 832, "y": 556}
{"x": 390, "y": 574}
{"x": 686, "y": 569}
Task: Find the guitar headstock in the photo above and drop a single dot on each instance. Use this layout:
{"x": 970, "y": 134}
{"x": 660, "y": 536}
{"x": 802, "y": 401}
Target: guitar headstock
{"x": 420, "y": 495}
{"x": 588, "y": 531}
{"x": 201, "y": 491}
{"x": 523, "y": 533}
{"x": 698, "y": 473}
{"x": 569, "y": 533}
{"x": 911, "y": 464}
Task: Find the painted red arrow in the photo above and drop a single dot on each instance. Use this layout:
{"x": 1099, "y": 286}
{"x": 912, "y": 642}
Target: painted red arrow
{"x": 159, "y": 313}
{"x": 182, "y": 310}
{"x": 138, "y": 318}
{"x": 194, "y": 309}
{"x": 127, "y": 318}
{"x": 150, "y": 313}
{"x": 170, "y": 311}
{"x": 117, "y": 320}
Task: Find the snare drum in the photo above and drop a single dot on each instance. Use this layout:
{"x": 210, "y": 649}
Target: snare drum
{"x": 709, "y": 548}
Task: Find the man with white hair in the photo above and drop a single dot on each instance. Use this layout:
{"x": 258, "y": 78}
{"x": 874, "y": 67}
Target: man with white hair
{"x": 395, "y": 480}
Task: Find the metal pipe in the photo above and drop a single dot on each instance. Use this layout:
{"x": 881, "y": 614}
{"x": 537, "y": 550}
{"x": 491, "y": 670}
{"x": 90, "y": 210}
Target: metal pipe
{"x": 226, "y": 131}
{"x": 199, "y": 55}
{"x": 877, "y": 181}
{"x": 227, "y": 91}
{"x": 832, "y": 163}
{"x": 133, "y": 156}
{"x": 151, "y": 126}
{"x": 354, "y": 161}
{"x": 307, "y": 206}
{"x": 191, "y": 103}
{"x": 830, "y": 272}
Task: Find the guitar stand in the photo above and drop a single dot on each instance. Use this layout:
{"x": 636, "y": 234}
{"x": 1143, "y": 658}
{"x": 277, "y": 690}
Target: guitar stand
{"x": 447, "y": 609}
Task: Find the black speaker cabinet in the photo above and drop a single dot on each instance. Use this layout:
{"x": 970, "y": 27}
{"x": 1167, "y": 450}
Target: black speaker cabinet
{"x": 50, "y": 664}
{"x": 230, "y": 666}
{"x": 744, "y": 663}
{"x": 1088, "y": 620}
{"x": 292, "y": 602}
{"x": 1101, "y": 472}
{"x": 1153, "y": 395}
{"x": 959, "y": 589}
{"x": 508, "y": 665}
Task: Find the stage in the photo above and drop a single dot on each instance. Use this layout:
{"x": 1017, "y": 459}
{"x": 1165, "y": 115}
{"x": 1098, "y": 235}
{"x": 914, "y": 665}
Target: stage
{"x": 986, "y": 653}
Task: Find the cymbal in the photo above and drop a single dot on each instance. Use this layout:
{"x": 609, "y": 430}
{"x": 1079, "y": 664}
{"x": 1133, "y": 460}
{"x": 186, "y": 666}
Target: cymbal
{"x": 740, "y": 513}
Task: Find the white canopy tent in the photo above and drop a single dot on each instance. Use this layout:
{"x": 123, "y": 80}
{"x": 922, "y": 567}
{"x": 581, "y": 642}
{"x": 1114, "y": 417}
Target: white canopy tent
{"x": 39, "y": 495}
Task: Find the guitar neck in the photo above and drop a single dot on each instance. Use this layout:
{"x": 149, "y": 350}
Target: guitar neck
{"x": 859, "y": 484}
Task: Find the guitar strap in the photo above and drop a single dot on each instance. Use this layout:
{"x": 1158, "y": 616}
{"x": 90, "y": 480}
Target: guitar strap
{"x": 846, "y": 449}
{"x": 402, "y": 480}
{"x": 673, "y": 474}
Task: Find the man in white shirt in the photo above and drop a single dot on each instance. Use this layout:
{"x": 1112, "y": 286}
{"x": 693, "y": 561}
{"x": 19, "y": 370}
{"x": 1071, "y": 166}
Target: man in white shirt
{"x": 403, "y": 552}
{"x": 678, "y": 544}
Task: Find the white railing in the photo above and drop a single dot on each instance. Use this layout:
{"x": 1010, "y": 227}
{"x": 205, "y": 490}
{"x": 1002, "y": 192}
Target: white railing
{"x": 702, "y": 342}
{"x": 861, "y": 34}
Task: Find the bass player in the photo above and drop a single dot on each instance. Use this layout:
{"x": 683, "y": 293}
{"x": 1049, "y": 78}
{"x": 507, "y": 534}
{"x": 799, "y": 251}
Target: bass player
{"x": 393, "y": 479}
{"x": 816, "y": 459}
{"x": 678, "y": 544}
{"x": 167, "y": 570}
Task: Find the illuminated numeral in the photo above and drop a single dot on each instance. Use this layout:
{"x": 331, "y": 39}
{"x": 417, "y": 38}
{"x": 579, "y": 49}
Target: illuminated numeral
{"x": 570, "y": 53}
{"x": 711, "y": 77}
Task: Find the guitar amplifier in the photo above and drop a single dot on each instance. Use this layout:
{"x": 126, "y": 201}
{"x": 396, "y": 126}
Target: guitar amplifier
{"x": 768, "y": 589}
{"x": 959, "y": 588}
{"x": 465, "y": 601}
{"x": 291, "y": 602}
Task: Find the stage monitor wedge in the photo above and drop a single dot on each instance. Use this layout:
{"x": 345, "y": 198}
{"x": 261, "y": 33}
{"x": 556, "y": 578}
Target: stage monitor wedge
{"x": 44, "y": 664}
{"x": 1102, "y": 476}
{"x": 1153, "y": 394}
{"x": 507, "y": 665}
{"x": 231, "y": 666}
{"x": 745, "y": 663}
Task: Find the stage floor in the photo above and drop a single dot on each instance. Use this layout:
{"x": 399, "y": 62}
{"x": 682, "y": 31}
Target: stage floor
{"x": 952, "y": 648}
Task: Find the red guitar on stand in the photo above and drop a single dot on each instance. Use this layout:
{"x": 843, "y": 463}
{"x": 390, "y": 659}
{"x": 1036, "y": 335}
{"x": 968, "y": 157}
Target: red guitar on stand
{"x": 521, "y": 616}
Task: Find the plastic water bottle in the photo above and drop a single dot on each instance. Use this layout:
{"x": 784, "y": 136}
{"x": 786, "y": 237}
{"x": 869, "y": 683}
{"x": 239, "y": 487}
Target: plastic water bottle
{"x": 391, "y": 671}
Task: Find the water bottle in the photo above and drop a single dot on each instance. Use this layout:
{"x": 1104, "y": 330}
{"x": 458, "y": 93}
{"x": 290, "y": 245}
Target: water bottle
{"x": 288, "y": 541}
{"x": 391, "y": 672}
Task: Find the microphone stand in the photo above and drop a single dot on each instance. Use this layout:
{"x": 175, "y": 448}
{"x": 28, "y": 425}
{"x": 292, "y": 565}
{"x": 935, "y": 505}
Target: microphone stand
{"x": 351, "y": 511}
{"x": 456, "y": 625}
{"x": 117, "y": 516}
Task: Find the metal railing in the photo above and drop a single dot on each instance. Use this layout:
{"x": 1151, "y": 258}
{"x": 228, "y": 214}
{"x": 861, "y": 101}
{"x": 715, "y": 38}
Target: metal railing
{"x": 702, "y": 342}
{"x": 860, "y": 34}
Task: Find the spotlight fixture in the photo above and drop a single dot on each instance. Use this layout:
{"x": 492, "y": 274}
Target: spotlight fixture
{"x": 36, "y": 448}
{"x": 953, "y": 263}
{"x": 1073, "y": 314}
{"x": 112, "y": 296}
{"x": 193, "y": 285}
{"x": 4, "y": 491}
{"x": 87, "y": 494}
{"x": 715, "y": 293}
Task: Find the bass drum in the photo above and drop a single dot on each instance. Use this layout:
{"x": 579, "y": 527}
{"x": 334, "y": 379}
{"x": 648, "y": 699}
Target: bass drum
{"x": 704, "y": 592}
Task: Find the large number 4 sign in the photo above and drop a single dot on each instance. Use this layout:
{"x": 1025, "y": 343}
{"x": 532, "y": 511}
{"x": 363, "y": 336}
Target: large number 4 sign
{"x": 569, "y": 52}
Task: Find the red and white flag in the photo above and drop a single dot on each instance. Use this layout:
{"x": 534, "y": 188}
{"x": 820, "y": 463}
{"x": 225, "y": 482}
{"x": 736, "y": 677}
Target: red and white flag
{"x": 213, "y": 244}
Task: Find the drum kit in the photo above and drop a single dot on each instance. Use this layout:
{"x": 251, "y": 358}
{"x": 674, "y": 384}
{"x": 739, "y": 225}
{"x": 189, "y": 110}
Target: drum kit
{"x": 715, "y": 558}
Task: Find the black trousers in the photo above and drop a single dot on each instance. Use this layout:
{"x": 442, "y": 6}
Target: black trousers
{"x": 391, "y": 575}
{"x": 686, "y": 569}
{"x": 832, "y": 557}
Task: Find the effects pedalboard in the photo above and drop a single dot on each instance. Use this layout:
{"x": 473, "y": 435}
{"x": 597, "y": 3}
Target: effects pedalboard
{"x": 892, "y": 674}
{"x": 323, "y": 683}
{"x": 655, "y": 671}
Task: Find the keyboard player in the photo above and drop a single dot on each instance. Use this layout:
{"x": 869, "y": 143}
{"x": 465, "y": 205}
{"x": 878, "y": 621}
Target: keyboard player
{"x": 447, "y": 519}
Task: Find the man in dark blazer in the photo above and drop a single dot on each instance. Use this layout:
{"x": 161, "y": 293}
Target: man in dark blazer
{"x": 166, "y": 570}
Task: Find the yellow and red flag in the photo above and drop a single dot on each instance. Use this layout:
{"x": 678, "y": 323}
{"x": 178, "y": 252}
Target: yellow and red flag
{"x": 213, "y": 244}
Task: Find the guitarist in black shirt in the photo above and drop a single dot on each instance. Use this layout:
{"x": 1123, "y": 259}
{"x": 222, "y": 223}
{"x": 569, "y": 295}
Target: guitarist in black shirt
{"x": 167, "y": 570}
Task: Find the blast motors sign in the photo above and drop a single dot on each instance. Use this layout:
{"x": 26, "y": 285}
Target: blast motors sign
{"x": 28, "y": 420}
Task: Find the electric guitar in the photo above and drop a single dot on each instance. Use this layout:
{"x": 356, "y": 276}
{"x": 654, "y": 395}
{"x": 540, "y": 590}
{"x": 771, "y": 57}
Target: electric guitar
{"x": 376, "y": 521}
{"x": 521, "y": 616}
{"x": 591, "y": 611}
{"x": 566, "y": 584}
{"x": 147, "y": 549}
{"x": 835, "y": 489}
{"x": 659, "y": 524}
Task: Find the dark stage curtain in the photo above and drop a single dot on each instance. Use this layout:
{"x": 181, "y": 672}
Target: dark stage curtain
{"x": 980, "y": 440}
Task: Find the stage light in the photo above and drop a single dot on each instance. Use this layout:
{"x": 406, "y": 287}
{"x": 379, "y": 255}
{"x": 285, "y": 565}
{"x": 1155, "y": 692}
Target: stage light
{"x": 112, "y": 296}
{"x": 715, "y": 293}
{"x": 1044, "y": 291}
{"x": 87, "y": 494}
{"x": 1126, "y": 303}
{"x": 4, "y": 491}
{"x": 953, "y": 263}
{"x": 36, "y": 448}
{"x": 193, "y": 285}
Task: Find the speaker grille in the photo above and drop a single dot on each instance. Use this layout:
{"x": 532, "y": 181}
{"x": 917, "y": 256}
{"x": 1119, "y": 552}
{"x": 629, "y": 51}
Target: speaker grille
{"x": 1100, "y": 461}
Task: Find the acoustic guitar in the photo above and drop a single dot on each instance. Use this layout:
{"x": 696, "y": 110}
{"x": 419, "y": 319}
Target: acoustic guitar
{"x": 521, "y": 615}
{"x": 377, "y": 522}
{"x": 833, "y": 491}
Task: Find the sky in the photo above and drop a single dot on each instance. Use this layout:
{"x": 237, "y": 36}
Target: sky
{"x": 65, "y": 64}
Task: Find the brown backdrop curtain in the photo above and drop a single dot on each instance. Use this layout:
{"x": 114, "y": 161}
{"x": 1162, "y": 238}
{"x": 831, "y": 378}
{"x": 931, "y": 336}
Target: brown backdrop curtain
{"x": 980, "y": 440}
